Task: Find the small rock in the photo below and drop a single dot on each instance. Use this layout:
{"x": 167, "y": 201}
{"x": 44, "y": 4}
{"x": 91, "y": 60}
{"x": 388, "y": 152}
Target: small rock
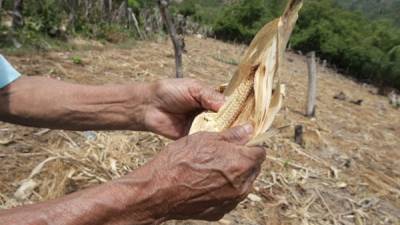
{"x": 341, "y": 185}
{"x": 7, "y": 141}
{"x": 90, "y": 135}
{"x": 394, "y": 99}
{"x": 254, "y": 198}
{"x": 357, "y": 102}
{"x": 224, "y": 221}
{"x": 341, "y": 96}
{"x": 25, "y": 189}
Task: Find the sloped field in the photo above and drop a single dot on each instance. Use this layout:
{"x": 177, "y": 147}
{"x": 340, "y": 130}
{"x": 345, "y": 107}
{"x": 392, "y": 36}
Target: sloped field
{"x": 346, "y": 172}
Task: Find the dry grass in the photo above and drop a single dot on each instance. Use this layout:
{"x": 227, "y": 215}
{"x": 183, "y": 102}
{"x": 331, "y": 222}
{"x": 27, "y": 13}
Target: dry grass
{"x": 346, "y": 173}
{"x": 67, "y": 169}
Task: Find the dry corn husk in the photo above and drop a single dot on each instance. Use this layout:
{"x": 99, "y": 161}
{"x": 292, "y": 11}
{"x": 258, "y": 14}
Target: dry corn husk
{"x": 255, "y": 94}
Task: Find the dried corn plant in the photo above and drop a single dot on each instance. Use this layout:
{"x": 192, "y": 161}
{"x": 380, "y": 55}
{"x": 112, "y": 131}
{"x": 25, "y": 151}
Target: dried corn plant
{"x": 255, "y": 94}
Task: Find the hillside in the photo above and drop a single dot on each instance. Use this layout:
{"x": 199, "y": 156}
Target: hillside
{"x": 361, "y": 47}
{"x": 347, "y": 171}
{"x": 383, "y": 9}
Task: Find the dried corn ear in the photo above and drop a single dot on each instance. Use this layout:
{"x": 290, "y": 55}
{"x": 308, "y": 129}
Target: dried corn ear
{"x": 255, "y": 94}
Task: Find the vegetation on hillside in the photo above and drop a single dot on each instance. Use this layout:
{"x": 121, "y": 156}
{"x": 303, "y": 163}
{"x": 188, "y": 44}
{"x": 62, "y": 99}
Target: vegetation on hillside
{"x": 240, "y": 21}
{"x": 203, "y": 11}
{"x": 368, "y": 50}
{"x": 373, "y": 9}
{"x": 364, "y": 48}
{"x": 44, "y": 22}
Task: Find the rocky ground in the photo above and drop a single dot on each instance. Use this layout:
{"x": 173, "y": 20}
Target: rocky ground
{"x": 346, "y": 171}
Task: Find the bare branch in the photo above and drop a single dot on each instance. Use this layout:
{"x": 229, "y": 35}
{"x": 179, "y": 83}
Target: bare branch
{"x": 175, "y": 38}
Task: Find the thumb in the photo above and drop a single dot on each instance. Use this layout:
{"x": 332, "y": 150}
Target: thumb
{"x": 239, "y": 134}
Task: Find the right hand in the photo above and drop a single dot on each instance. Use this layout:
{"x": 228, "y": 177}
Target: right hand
{"x": 172, "y": 105}
{"x": 205, "y": 176}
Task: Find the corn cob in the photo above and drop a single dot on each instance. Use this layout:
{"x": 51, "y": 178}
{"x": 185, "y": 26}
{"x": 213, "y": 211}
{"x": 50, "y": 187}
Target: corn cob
{"x": 229, "y": 112}
{"x": 255, "y": 94}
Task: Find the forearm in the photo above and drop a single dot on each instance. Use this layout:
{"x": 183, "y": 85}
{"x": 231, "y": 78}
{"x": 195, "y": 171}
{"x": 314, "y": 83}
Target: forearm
{"x": 130, "y": 201}
{"x": 44, "y": 102}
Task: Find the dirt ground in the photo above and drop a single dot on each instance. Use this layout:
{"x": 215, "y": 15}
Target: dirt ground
{"x": 346, "y": 172}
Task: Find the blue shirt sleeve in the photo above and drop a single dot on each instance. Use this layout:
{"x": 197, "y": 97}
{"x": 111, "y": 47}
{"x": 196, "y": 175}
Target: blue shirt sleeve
{"x": 7, "y": 73}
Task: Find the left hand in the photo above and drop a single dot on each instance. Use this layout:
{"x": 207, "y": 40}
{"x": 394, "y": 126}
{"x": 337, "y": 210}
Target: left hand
{"x": 173, "y": 104}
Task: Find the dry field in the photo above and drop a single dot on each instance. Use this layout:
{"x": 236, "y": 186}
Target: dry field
{"x": 346, "y": 172}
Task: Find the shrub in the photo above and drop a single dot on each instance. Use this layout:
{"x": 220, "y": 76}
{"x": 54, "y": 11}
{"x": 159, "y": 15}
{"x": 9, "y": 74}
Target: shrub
{"x": 362, "y": 48}
{"x": 356, "y": 45}
{"x": 202, "y": 11}
{"x": 241, "y": 21}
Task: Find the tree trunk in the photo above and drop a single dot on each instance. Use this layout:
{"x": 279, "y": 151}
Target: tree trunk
{"x": 1, "y": 8}
{"x": 107, "y": 8}
{"x": 127, "y": 12}
{"x": 122, "y": 15}
{"x": 312, "y": 85}
{"x": 72, "y": 10}
{"x": 132, "y": 21}
{"x": 88, "y": 8}
{"x": 175, "y": 38}
{"x": 17, "y": 18}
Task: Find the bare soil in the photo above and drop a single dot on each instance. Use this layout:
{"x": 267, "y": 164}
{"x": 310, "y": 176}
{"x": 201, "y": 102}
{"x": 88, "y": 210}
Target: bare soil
{"x": 347, "y": 171}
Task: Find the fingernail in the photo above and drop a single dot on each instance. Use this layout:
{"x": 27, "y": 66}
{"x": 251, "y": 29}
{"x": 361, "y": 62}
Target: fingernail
{"x": 248, "y": 128}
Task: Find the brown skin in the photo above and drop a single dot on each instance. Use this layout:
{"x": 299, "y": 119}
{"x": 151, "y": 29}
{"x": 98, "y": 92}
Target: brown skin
{"x": 202, "y": 176}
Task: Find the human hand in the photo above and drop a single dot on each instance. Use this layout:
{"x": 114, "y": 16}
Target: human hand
{"x": 173, "y": 104}
{"x": 204, "y": 176}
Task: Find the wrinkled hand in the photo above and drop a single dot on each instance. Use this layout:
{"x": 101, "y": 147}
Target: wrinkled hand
{"x": 174, "y": 103}
{"x": 204, "y": 176}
